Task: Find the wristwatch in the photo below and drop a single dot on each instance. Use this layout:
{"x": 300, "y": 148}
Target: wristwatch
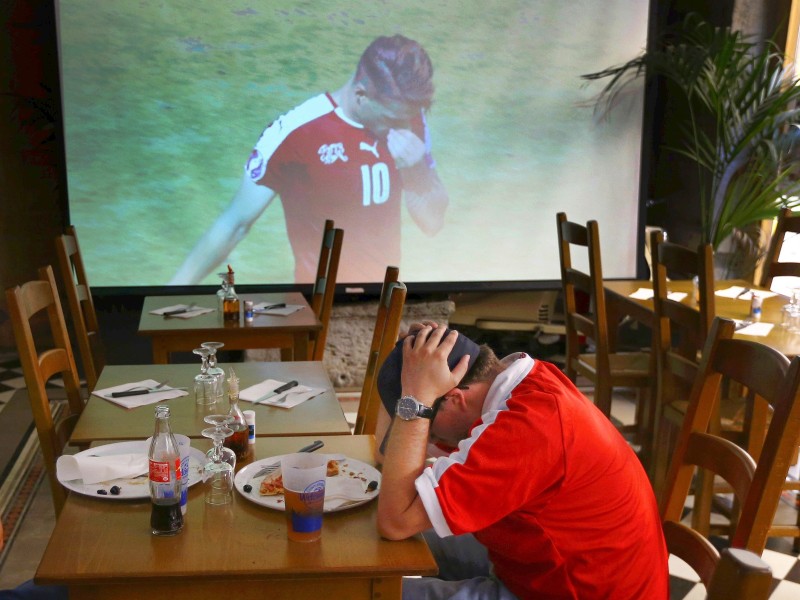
{"x": 409, "y": 408}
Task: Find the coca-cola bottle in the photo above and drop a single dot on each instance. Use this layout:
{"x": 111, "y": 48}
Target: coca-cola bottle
{"x": 165, "y": 478}
{"x": 239, "y": 441}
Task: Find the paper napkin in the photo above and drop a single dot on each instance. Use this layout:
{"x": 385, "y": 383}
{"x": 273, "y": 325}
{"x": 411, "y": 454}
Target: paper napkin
{"x": 743, "y": 293}
{"x": 343, "y": 490}
{"x": 754, "y": 329}
{"x": 642, "y": 294}
{"x": 165, "y": 393}
{"x": 291, "y": 397}
{"x": 195, "y": 311}
{"x": 94, "y": 469}
{"x": 261, "y": 309}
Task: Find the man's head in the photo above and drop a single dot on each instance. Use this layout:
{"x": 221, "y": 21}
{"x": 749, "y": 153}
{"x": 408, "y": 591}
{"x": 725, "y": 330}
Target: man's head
{"x": 393, "y": 83}
{"x": 460, "y": 407}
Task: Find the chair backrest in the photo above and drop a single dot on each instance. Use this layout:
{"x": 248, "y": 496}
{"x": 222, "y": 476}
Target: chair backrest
{"x": 788, "y": 222}
{"x": 39, "y": 365}
{"x": 680, "y": 329}
{"x": 384, "y": 337}
{"x": 325, "y": 285}
{"x": 81, "y": 306}
{"x": 736, "y": 574}
{"x": 765, "y": 375}
{"x": 582, "y": 319}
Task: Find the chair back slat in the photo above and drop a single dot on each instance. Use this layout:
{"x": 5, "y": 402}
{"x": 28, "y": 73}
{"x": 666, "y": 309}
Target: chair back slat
{"x": 325, "y": 286}
{"x": 788, "y": 222}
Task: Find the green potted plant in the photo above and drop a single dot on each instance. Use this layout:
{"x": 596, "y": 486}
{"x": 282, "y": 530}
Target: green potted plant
{"x": 741, "y": 120}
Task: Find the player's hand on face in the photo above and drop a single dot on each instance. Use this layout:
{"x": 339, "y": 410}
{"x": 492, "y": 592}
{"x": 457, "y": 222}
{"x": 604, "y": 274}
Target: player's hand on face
{"x": 405, "y": 147}
{"x": 426, "y": 374}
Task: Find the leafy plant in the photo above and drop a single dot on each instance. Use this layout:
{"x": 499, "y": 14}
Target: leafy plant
{"x": 741, "y": 122}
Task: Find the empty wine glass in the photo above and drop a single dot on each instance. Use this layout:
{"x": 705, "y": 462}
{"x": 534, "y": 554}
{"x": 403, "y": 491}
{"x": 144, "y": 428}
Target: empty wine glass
{"x": 217, "y": 473}
{"x": 205, "y": 385}
{"x": 221, "y": 422}
{"x": 217, "y": 372}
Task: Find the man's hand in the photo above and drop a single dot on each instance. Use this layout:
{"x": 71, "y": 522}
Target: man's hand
{"x": 405, "y": 147}
{"x": 425, "y": 374}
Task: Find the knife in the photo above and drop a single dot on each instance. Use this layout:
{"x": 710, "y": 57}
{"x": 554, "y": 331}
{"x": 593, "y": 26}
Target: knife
{"x": 146, "y": 391}
{"x": 270, "y": 307}
{"x": 178, "y": 311}
{"x": 276, "y": 391}
{"x": 276, "y": 465}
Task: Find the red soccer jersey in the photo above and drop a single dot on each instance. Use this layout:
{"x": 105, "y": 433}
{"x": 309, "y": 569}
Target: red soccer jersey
{"x": 325, "y": 166}
{"x": 550, "y": 487}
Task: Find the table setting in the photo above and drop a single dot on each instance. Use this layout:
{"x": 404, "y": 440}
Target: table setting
{"x": 282, "y": 394}
{"x": 140, "y": 393}
{"x": 181, "y": 311}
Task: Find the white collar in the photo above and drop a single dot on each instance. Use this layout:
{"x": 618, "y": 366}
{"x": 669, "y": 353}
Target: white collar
{"x": 517, "y": 367}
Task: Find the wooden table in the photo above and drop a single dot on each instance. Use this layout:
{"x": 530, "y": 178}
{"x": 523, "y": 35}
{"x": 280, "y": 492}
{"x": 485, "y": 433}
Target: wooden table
{"x": 620, "y": 303}
{"x": 104, "y": 420}
{"x": 103, "y": 549}
{"x": 291, "y": 333}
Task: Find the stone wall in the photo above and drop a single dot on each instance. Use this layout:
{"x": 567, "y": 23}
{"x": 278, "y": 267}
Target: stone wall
{"x": 350, "y": 334}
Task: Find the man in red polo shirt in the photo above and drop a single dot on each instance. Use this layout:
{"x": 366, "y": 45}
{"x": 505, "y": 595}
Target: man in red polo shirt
{"x": 538, "y": 475}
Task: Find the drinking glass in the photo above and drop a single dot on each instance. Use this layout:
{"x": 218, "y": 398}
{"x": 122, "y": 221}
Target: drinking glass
{"x": 221, "y": 422}
{"x": 205, "y": 385}
{"x": 217, "y": 473}
{"x": 217, "y": 372}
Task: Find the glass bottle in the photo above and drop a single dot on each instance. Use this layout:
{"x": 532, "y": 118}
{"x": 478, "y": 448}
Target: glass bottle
{"x": 230, "y": 301}
{"x": 238, "y": 442}
{"x": 165, "y": 478}
{"x": 222, "y": 290}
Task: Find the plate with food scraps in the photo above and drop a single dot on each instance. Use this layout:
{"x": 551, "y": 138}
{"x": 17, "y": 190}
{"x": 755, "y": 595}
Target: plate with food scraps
{"x": 349, "y": 483}
{"x": 129, "y": 488}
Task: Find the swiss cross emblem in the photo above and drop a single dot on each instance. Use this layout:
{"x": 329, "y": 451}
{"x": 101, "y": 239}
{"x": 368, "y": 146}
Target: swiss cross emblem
{"x": 330, "y": 153}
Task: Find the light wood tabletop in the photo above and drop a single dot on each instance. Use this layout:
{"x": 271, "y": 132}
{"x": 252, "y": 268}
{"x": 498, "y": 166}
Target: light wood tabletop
{"x": 291, "y": 333}
{"x": 620, "y": 303}
{"x": 102, "y": 548}
{"x": 104, "y": 420}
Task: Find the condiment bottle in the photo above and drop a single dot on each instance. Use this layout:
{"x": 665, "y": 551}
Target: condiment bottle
{"x": 230, "y": 301}
{"x": 238, "y": 442}
{"x": 165, "y": 478}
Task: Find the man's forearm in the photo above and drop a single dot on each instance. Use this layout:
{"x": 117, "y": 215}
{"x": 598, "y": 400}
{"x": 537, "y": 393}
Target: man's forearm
{"x": 426, "y": 197}
{"x": 401, "y": 513}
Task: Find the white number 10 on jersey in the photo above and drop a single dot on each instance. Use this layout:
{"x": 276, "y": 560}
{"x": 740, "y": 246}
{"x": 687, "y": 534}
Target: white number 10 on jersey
{"x": 375, "y": 183}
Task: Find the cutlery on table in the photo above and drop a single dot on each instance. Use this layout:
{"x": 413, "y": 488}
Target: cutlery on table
{"x": 271, "y": 468}
{"x": 139, "y": 390}
{"x": 276, "y": 391}
{"x": 743, "y": 292}
{"x": 179, "y": 311}
{"x": 270, "y": 307}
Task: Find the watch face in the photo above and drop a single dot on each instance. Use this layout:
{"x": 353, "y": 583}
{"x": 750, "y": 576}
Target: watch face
{"x": 406, "y": 408}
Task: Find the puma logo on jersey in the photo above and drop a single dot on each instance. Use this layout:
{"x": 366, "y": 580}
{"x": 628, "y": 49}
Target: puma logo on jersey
{"x": 330, "y": 153}
{"x": 374, "y": 148}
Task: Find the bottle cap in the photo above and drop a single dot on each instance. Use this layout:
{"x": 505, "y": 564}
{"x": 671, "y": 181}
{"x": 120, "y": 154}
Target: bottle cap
{"x": 249, "y": 416}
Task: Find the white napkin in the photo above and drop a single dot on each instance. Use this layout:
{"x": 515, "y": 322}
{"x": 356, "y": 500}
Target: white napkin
{"x": 754, "y": 329}
{"x": 642, "y": 294}
{"x": 197, "y": 310}
{"x": 294, "y": 396}
{"x": 165, "y": 393}
{"x": 94, "y": 469}
{"x": 343, "y": 490}
{"x": 260, "y": 309}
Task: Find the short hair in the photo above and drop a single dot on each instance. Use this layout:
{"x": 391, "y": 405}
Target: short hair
{"x": 486, "y": 367}
{"x": 397, "y": 68}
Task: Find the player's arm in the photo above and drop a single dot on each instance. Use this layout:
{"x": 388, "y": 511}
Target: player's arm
{"x": 225, "y": 232}
{"x": 425, "y": 194}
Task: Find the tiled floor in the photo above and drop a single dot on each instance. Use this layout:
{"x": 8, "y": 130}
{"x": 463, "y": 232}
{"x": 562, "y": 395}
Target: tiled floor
{"x": 24, "y": 554}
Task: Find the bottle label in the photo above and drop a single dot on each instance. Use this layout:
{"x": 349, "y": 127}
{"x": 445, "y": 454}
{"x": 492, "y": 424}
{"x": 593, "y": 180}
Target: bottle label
{"x": 159, "y": 471}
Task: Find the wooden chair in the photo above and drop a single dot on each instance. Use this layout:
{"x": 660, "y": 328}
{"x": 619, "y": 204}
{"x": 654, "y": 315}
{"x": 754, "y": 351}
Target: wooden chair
{"x": 81, "y": 306}
{"x": 605, "y": 368}
{"x": 384, "y": 337}
{"x": 757, "y": 481}
{"x": 680, "y": 331}
{"x": 39, "y": 365}
{"x": 734, "y": 574}
{"x": 788, "y": 222}
{"x": 325, "y": 285}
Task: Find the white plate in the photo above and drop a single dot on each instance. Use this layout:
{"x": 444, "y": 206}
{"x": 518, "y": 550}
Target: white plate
{"x": 129, "y": 487}
{"x": 348, "y": 467}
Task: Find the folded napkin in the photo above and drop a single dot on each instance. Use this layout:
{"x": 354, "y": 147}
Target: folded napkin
{"x": 743, "y": 293}
{"x": 94, "y": 469}
{"x": 344, "y": 490}
{"x": 647, "y": 294}
{"x": 293, "y": 396}
{"x": 754, "y": 329}
{"x": 164, "y": 393}
{"x": 261, "y": 309}
{"x": 192, "y": 312}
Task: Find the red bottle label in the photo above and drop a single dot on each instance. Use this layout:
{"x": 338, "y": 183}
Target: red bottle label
{"x": 159, "y": 471}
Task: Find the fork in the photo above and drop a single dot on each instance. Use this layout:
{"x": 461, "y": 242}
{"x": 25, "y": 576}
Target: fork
{"x": 269, "y": 469}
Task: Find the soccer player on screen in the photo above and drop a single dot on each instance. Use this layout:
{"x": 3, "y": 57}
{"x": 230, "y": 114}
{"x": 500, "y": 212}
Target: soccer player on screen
{"x": 349, "y": 155}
